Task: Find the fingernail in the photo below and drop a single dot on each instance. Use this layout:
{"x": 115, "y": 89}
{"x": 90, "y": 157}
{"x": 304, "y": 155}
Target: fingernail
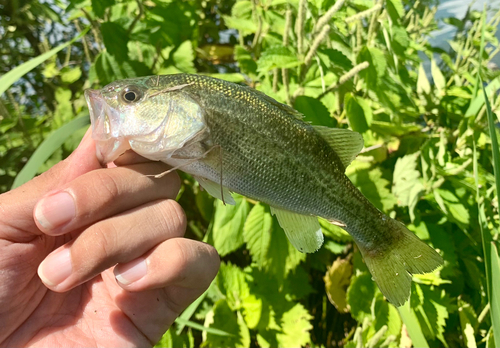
{"x": 55, "y": 210}
{"x": 131, "y": 272}
{"x": 56, "y": 267}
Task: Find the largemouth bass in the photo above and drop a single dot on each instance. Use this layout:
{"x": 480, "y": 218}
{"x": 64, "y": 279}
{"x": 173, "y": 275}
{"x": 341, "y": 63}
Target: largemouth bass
{"x": 232, "y": 138}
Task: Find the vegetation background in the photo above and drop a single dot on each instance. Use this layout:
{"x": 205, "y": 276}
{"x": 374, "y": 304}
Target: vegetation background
{"x": 357, "y": 63}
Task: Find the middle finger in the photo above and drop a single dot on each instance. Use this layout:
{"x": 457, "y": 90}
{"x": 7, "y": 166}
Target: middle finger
{"x": 119, "y": 239}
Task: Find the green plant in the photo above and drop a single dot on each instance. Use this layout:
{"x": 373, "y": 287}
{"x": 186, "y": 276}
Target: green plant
{"x": 427, "y": 159}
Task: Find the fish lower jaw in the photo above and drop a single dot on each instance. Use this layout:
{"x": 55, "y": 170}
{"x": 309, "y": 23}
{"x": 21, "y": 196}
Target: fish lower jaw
{"x": 109, "y": 150}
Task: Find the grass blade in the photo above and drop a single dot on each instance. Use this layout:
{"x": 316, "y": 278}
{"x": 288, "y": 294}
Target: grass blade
{"x": 188, "y": 312}
{"x": 12, "y": 76}
{"x": 47, "y": 148}
{"x": 491, "y": 260}
{"x": 494, "y": 140}
{"x": 413, "y": 326}
{"x": 200, "y": 327}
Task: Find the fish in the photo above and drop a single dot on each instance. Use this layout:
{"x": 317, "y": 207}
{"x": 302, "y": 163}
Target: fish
{"x": 232, "y": 138}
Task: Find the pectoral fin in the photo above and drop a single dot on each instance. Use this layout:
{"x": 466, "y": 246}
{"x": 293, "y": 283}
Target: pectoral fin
{"x": 214, "y": 190}
{"x": 304, "y": 232}
{"x": 346, "y": 143}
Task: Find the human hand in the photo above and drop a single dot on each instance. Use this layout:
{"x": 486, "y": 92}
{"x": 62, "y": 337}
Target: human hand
{"x": 73, "y": 224}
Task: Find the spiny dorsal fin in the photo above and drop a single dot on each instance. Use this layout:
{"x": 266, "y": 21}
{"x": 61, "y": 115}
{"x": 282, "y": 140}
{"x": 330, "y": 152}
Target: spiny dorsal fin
{"x": 346, "y": 143}
{"x": 213, "y": 189}
{"x": 304, "y": 232}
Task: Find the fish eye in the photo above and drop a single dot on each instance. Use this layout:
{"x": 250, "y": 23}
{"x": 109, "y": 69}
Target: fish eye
{"x": 131, "y": 94}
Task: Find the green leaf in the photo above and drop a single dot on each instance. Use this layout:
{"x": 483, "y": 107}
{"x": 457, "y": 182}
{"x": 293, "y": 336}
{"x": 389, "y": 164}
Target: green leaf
{"x": 423, "y": 85}
{"x": 412, "y": 326}
{"x": 370, "y": 182}
{"x": 407, "y": 185}
{"x": 395, "y": 9}
{"x": 431, "y": 311}
{"x": 53, "y": 142}
{"x": 315, "y": 111}
{"x": 227, "y": 321}
{"x": 115, "y": 38}
{"x": 173, "y": 339}
{"x": 438, "y": 77}
{"x": 397, "y": 130}
{"x": 99, "y": 6}
{"x": 257, "y": 233}
{"x": 359, "y": 113}
{"x": 245, "y": 60}
{"x": 360, "y": 295}
{"x": 295, "y": 327}
{"x": 246, "y": 26}
{"x": 15, "y": 74}
{"x": 108, "y": 69}
{"x": 336, "y": 280}
{"x": 277, "y": 57}
{"x": 232, "y": 283}
{"x": 468, "y": 323}
{"x": 227, "y": 229}
{"x": 70, "y": 75}
{"x": 377, "y": 68}
{"x": 184, "y": 58}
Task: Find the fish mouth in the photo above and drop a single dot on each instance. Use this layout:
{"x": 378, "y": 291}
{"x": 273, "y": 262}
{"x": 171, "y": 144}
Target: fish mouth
{"x": 109, "y": 145}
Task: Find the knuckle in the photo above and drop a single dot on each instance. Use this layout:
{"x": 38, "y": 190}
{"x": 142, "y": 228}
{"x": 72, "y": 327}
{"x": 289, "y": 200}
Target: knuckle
{"x": 105, "y": 185}
{"x": 172, "y": 216}
{"x": 102, "y": 241}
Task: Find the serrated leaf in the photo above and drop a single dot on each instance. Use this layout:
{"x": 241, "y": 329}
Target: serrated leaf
{"x": 232, "y": 282}
{"x": 226, "y": 320}
{"x": 227, "y": 229}
{"x": 431, "y": 311}
{"x": 295, "y": 327}
{"x": 370, "y": 182}
{"x": 277, "y": 57}
{"x": 257, "y": 233}
{"x": 377, "y": 68}
{"x": 407, "y": 185}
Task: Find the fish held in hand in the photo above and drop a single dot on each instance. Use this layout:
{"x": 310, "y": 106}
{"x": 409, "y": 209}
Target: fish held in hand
{"x": 232, "y": 138}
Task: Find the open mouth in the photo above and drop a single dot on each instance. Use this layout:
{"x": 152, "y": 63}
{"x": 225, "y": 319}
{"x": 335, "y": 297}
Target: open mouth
{"x": 108, "y": 147}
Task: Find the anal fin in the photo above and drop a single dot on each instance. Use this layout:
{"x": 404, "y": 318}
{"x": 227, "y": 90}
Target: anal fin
{"x": 304, "y": 232}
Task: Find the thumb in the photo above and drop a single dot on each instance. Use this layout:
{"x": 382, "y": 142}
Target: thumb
{"x": 19, "y": 203}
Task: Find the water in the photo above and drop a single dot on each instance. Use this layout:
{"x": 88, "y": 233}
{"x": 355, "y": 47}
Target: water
{"x": 458, "y": 9}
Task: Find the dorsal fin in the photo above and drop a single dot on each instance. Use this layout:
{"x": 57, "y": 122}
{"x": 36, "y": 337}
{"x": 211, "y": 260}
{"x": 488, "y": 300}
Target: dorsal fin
{"x": 304, "y": 232}
{"x": 346, "y": 143}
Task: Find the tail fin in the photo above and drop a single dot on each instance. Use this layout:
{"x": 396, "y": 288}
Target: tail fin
{"x": 392, "y": 268}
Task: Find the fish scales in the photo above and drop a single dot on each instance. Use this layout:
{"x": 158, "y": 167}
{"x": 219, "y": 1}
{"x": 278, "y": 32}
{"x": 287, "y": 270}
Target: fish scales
{"x": 271, "y": 156}
{"x": 197, "y": 123}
